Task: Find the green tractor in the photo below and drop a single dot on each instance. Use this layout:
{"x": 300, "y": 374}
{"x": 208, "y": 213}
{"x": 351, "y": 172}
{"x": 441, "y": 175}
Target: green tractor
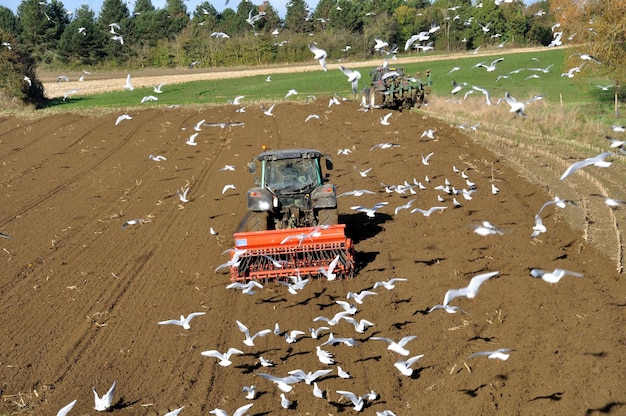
{"x": 391, "y": 88}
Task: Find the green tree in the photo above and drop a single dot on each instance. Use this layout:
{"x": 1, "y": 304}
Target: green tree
{"x": 114, "y": 12}
{"x": 143, "y": 6}
{"x": 82, "y": 40}
{"x": 297, "y": 18}
{"x": 177, "y": 17}
{"x": 37, "y": 25}
{"x": 9, "y": 21}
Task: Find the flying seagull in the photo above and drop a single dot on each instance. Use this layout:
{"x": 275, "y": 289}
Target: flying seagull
{"x": 320, "y": 55}
{"x": 103, "y": 403}
{"x": 471, "y": 290}
{"x": 595, "y": 161}
{"x": 183, "y": 321}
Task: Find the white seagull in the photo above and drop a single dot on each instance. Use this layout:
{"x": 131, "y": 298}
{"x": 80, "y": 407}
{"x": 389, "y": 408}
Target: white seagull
{"x": 397, "y": 347}
{"x": 104, "y": 403}
{"x": 320, "y": 55}
{"x": 595, "y": 161}
{"x": 249, "y": 341}
{"x": 491, "y": 67}
{"x": 183, "y": 321}
{"x": 428, "y": 211}
{"x": 499, "y": 354}
{"x": 122, "y": 118}
{"x": 174, "y": 412}
{"x": 283, "y": 383}
{"x": 224, "y": 359}
{"x": 370, "y": 212}
{"x": 554, "y": 276}
{"x": 227, "y": 187}
{"x": 389, "y": 284}
{"x": 357, "y": 401}
{"x": 292, "y": 336}
{"x": 191, "y": 141}
{"x": 385, "y": 120}
{"x": 328, "y": 272}
{"x": 353, "y": 77}
{"x": 404, "y": 366}
{"x": 239, "y": 412}
{"x": 250, "y": 391}
{"x": 358, "y": 297}
{"x": 324, "y": 356}
{"x": 129, "y": 84}
{"x": 183, "y": 195}
{"x": 470, "y": 291}
{"x": 246, "y": 288}
{"x": 309, "y": 377}
{"x": 65, "y": 410}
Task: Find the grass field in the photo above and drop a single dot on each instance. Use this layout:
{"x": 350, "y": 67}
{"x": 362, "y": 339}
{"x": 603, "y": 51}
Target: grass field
{"x": 551, "y": 85}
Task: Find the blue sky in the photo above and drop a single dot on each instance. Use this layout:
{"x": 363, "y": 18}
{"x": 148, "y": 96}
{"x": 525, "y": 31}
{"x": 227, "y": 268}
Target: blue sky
{"x": 95, "y": 5}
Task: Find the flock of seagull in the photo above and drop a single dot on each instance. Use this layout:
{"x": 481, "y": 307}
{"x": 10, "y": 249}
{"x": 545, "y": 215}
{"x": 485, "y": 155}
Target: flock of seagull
{"x": 448, "y": 193}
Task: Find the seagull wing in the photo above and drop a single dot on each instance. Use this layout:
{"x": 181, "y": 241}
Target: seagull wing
{"x": 243, "y": 329}
{"x": 242, "y": 410}
{"x": 453, "y": 293}
{"x": 479, "y": 279}
{"x": 64, "y": 411}
{"x": 171, "y": 322}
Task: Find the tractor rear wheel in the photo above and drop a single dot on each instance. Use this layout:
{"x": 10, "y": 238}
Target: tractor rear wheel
{"x": 257, "y": 221}
{"x": 327, "y": 216}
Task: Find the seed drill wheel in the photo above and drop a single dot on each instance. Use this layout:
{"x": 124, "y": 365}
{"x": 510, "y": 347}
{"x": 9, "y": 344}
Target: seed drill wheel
{"x": 257, "y": 221}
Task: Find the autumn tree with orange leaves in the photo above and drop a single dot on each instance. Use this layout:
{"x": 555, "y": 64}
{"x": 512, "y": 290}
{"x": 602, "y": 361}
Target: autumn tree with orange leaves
{"x": 595, "y": 28}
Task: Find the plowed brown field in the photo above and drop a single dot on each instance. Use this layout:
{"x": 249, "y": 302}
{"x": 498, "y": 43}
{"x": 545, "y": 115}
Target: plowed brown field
{"x": 81, "y": 297}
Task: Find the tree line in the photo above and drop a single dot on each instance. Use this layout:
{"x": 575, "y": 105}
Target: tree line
{"x": 174, "y": 36}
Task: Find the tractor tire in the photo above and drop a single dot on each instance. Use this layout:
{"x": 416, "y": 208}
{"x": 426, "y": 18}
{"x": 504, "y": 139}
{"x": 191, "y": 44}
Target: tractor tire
{"x": 327, "y": 216}
{"x": 257, "y": 221}
{"x": 377, "y": 98}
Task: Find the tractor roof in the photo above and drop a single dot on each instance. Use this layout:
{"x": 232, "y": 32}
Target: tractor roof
{"x": 300, "y": 153}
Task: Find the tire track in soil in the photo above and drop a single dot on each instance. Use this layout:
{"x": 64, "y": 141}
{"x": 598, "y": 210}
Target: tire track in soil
{"x": 48, "y": 194}
{"x": 164, "y": 235}
{"x": 35, "y": 134}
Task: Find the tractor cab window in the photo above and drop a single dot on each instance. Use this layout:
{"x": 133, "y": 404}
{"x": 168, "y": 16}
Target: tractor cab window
{"x": 293, "y": 174}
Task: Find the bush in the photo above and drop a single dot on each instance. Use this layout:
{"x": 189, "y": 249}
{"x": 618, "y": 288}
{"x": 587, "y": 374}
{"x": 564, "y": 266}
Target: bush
{"x": 18, "y": 83}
